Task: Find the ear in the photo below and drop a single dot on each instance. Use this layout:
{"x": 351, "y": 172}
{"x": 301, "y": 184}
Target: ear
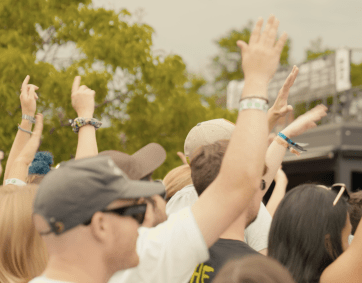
{"x": 100, "y": 227}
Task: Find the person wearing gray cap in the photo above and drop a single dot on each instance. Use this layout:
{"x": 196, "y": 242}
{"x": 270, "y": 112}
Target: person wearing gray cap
{"x": 87, "y": 212}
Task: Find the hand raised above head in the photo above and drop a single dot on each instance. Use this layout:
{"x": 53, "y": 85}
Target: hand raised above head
{"x": 306, "y": 121}
{"x": 28, "y": 97}
{"x": 260, "y": 58}
{"x": 82, "y": 99}
{"x": 280, "y": 106}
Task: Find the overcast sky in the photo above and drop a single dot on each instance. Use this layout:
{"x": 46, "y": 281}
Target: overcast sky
{"x": 189, "y": 27}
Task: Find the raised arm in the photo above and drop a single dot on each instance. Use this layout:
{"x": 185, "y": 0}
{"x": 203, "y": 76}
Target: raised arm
{"x": 280, "y": 107}
{"x": 28, "y": 99}
{"x": 20, "y": 167}
{"x": 281, "y": 182}
{"x": 83, "y": 104}
{"x": 276, "y": 151}
{"x": 242, "y": 166}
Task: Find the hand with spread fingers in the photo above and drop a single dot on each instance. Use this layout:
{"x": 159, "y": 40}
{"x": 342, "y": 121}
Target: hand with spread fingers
{"x": 260, "y": 58}
{"x": 306, "y": 121}
{"x": 19, "y": 169}
{"x": 82, "y": 99}
{"x": 28, "y": 97}
{"x": 280, "y": 107}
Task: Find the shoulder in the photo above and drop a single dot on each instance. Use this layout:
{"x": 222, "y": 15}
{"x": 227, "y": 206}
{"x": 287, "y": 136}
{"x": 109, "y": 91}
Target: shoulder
{"x": 187, "y": 196}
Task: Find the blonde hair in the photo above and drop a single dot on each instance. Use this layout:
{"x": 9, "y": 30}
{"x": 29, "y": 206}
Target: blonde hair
{"x": 23, "y": 252}
{"x": 177, "y": 179}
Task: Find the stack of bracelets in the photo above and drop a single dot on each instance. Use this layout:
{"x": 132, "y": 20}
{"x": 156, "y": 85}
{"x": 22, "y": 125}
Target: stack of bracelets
{"x": 289, "y": 144}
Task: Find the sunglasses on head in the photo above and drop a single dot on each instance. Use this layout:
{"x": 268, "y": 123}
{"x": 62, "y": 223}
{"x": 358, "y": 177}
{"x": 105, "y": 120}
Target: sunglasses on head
{"x": 340, "y": 189}
{"x": 137, "y": 212}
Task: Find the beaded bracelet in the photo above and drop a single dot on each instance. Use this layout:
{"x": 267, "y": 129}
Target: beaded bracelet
{"x": 80, "y": 122}
{"x": 292, "y": 146}
{"x": 253, "y": 103}
{"x": 25, "y": 131}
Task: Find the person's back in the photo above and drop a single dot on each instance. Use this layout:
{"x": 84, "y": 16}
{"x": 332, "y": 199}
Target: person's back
{"x": 205, "y": 166}
{"x": 221, "y": 252}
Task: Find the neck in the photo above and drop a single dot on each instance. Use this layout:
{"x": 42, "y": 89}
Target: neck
{"x": 236, "y": 230}
{"x": 81, "y": 269}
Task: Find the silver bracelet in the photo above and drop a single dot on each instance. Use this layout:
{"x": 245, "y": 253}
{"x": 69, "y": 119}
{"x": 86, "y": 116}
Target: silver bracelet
{"x": 25, "y": 131}
{"x": 253, "y": 103}
{"x": 27, "y": 117}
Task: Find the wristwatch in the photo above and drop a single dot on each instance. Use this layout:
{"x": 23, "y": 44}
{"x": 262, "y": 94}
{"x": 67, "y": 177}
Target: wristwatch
{"x": 27, "y": 117}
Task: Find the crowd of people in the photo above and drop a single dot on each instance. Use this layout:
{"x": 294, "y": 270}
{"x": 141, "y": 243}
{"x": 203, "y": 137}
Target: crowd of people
{"x": 102, "y": 218}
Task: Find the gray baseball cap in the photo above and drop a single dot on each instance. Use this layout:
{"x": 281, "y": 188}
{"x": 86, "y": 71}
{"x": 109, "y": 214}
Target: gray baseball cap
{"x": 71, "y": 194}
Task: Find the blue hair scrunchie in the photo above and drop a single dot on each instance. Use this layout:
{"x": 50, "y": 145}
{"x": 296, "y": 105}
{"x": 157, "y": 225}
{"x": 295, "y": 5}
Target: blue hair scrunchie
{"x": 41, "y": 163}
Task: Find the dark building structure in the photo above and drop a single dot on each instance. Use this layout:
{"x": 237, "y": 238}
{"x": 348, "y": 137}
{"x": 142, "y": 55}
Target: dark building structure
{"x": 334, "y": 155}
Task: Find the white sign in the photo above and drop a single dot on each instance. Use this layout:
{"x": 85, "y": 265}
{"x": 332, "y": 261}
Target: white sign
{"x": 233, "y": 94}
{"x": 343, "y": 81}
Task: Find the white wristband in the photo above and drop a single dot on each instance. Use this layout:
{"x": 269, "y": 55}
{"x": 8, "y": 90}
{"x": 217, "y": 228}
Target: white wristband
{"x": 253, "y": 103}
{"x": 14, "y": 181}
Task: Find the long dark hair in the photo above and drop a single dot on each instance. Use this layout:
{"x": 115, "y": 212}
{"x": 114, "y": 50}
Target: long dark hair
{"x": 305, "y": 234}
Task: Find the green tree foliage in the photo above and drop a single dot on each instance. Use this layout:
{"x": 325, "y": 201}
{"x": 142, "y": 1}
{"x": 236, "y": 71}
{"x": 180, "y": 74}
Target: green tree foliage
{"x": 227, "y": 64}
{"x": 142, "y": 97}
{"x": 316, "y": 50}
{"x": 356, "y": 74}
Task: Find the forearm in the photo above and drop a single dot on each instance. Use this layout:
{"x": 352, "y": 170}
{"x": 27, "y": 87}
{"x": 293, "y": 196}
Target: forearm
{"x": 247, "y": 147}
{"x": 273, "y": 160}
{"x": 87, "y": 142}
{"x": 276, "y": 197}
{"x": 19, "y": 143}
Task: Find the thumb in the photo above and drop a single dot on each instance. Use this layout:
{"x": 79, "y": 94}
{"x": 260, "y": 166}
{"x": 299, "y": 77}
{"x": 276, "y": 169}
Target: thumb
{"x": 289, "y": 108}
{"x": 242, "y": 45}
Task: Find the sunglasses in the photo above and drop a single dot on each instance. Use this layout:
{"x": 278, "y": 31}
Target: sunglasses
{"x": 137, "y": 212}
{"x": 340, "y": 189}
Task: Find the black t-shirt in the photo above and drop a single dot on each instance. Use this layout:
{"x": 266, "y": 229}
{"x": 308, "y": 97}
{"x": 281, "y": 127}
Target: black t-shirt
{"x": 220, "y": 253}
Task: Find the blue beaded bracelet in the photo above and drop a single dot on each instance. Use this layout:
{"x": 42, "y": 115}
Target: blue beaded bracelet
{"x": 290, "y": 142}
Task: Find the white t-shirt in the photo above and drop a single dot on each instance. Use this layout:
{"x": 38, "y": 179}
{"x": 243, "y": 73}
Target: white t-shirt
{"x": 256, "y": 235}
{"x": 168, "y": 252}
{"x": 43, "y": 279}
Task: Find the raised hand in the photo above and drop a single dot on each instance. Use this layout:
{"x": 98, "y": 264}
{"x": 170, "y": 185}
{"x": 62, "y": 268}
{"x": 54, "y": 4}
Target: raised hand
{"x": 28, "y": 97}
{"x": 306, "y": 121}
{"x": 260, "y": 58}
{"x": 82, "y": 99}
{"x": 280, "y": 106}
